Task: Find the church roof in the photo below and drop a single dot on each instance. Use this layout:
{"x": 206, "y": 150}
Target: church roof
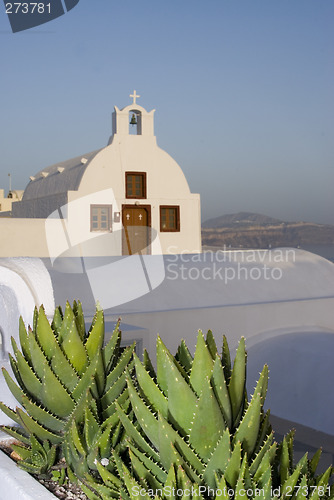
{"x": 58, "y": 178}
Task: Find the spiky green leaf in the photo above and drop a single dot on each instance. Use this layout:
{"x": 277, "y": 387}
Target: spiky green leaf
{"x": 32, "y": 384}
{"x": 236, "y": 386}
{"x": 206, "y": 432}
{"x": 94, "y": 342}
{"x": 33, "y": 427}
{"x": 218, "y": 460}
{"x": 42, "y": 416}
{"x": 231, "y": 472}
{"x": 184, "y": 356}
{"x": 110, "y": 351}
{"x": 226, "y": 360}
{"x": 247, "y": 432}
{"x": 175, "y": 384}
{"x": 54, "y": 396}
{"x": 151, "y": 391}
{"x": 202, "y": 365}
{"x": 221, "y": 391}
{"x": 133, "y": 433}
{"x": 23, "y": 335}
{"x": 44, "y": 334}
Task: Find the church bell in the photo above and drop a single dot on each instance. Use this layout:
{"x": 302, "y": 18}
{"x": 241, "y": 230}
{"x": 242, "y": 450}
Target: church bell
{"x": 133, "y": 120}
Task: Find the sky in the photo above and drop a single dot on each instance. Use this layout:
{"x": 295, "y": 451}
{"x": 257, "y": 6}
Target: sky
{"x": 243, "y": 92}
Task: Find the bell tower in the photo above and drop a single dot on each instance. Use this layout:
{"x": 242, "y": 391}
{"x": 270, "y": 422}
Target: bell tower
{"x": 123, "y": 120}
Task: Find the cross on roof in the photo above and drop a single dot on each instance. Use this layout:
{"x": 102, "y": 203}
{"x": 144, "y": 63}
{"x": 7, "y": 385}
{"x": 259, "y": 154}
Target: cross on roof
{"x": 134, "y": 96}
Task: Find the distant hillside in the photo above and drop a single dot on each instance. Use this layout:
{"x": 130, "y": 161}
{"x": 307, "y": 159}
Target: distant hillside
{"x": 240, "y": 219}
{"x": 248, "y": 230}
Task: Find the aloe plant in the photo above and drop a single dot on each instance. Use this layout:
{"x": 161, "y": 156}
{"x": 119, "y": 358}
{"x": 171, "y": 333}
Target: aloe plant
{"x": 199, "y": 405}
{"x": 192, "y": 428}
{"x": 128, "y": 430}
{"x": 64, "y": 377}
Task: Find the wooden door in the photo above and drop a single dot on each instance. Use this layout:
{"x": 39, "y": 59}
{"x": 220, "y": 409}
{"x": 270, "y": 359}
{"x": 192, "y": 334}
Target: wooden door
{"x": 136, "y": 229}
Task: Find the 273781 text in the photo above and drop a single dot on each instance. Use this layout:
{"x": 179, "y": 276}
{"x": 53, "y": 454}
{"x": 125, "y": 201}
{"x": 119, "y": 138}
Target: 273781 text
{"x": 28, "y": 8}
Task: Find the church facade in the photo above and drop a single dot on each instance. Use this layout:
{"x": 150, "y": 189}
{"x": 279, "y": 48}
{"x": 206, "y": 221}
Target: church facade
{"x": 127, "y": 198}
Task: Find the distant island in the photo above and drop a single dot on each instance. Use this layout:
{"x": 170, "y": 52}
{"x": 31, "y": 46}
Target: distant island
{"x": 249, "y": 230}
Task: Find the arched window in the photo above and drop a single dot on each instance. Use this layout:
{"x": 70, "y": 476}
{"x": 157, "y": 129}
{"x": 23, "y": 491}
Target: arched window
{"x": 135, "y": 127}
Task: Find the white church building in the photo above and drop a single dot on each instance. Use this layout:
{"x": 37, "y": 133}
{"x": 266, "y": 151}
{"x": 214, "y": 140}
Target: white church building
{"x": 125, "y": 198}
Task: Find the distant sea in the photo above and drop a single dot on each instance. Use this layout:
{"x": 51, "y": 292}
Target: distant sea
{"x": 326, "y": 251}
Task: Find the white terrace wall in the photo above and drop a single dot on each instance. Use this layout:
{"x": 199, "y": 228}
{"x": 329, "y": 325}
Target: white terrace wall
{"x": 23, "y": 238}
{"x": 29, "y": 238}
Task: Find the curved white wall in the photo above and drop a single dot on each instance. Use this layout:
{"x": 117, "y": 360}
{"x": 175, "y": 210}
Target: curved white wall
{"x": 24, "y": 284}
{"x": 301, "y": 375}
